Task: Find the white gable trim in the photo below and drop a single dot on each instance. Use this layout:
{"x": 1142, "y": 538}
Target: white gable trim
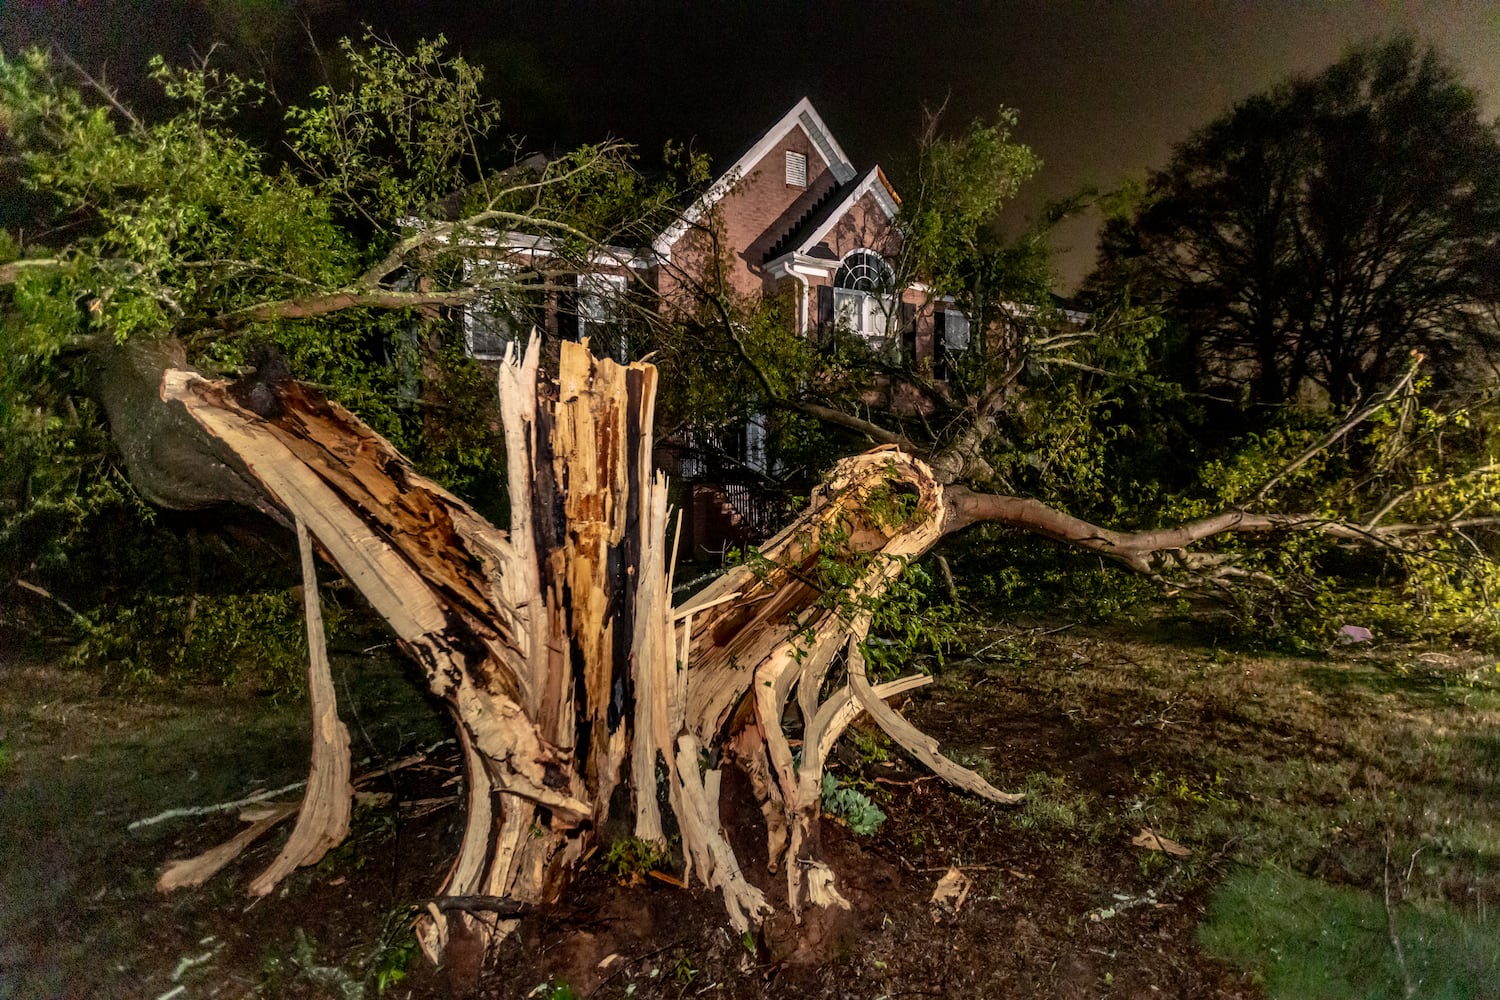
{"x": 872, "y": 184}
{"x": 802, "y": 115}
{"x": 799, "y": 263}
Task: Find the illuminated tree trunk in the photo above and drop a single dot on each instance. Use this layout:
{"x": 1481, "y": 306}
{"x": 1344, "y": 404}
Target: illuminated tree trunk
{"x": 556, "y": 646}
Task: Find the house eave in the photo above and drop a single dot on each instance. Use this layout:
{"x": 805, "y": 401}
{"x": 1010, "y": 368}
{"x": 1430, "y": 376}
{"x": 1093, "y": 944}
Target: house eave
{"x": 797, "y": 263}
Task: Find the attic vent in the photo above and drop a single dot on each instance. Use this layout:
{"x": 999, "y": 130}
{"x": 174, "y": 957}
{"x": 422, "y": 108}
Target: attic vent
{"x": 796, "y": 170}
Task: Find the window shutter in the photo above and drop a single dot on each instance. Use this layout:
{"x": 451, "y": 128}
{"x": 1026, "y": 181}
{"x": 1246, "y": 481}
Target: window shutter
{"x": 567, "y": 315}
{"x": 796, "y": 170}
{"x": 939, "y": 344}
{"x": 909, "y": 332}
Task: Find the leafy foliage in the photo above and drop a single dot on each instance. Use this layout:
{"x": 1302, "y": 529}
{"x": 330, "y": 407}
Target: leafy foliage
{"x": 629, "y": 859}
{"x": 182, "y": 227}
{"x": 852, "y": 806}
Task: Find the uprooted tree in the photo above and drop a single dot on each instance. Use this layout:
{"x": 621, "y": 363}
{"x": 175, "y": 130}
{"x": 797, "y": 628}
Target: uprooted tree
{"x": 555, "y": 642}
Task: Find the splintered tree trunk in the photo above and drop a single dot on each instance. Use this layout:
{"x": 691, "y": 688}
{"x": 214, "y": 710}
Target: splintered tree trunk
{"x": 555, "y": 644}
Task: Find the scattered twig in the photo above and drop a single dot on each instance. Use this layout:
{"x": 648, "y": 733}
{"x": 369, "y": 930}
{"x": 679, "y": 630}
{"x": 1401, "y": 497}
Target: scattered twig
{"x": 498, "y": 905}
{"x": 103, "y": 89}
{"x": 41, "y": 592}
{"x": 218, "y": 807}
{"x": 1390, "y": 920}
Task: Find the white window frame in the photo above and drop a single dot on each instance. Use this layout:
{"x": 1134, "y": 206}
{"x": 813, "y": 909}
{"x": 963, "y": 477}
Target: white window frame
{"x": 796, "y": 169}
{"x": 599, "y": 299}
{"x": 865, "y": 312}
{"x": 479, "y": 317}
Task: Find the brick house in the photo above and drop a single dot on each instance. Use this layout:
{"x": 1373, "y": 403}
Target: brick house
{"x": 790, "y": 216}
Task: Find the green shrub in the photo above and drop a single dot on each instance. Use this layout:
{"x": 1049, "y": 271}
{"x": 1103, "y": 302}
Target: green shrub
{"x": 852, "y": 806}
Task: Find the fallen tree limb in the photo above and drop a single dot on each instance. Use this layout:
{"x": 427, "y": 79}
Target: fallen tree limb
{"x": 1137, "y": 549}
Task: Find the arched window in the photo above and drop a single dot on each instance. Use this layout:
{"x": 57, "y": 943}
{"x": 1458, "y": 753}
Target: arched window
{"x": 865, "y": 271}
{"x": 864, "y": 293}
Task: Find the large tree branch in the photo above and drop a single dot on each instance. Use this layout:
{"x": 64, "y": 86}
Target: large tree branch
{"x": 1134, "y": 548}
{"x": 11, "y": 273}
{"x": 839, "y": 418}
{"x": 341, "y": 299}
{"x": 443, "y": 231}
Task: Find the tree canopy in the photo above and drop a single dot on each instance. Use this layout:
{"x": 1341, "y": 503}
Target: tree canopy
{"x": 180, "y": 232}
{"x": 1324, "y": 229}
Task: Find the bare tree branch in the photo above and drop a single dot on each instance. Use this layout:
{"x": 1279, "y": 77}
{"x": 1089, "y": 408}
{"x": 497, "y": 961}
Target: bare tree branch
{"x": 11, "y": 273}
{"x": 1334, "y": 436}
{"x": 336, "y": 301}
{"x": 103, "y": 90}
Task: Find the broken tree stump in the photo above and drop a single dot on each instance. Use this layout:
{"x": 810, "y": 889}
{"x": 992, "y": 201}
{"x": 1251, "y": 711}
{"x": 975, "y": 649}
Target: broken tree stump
{"x": 555, "y": 644}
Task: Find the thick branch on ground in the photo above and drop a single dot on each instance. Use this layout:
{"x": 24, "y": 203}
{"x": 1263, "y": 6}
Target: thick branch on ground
{"x": 1142, "y": 550}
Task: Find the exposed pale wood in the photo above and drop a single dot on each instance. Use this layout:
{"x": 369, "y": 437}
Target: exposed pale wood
{"x": 840, "y": 711}
{"x": 199, "y": 869}
{"x": 383, "y": 526}
{"x": 696, "y": 803}
{"x": 556, "y": 646}
{"x": 912, "y": 739}
{"x": 655, "y": 669}
{"x": 323, "y": 820}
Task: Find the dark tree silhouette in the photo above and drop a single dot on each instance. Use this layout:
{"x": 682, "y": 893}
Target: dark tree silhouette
{"x": 1321, "y": 231}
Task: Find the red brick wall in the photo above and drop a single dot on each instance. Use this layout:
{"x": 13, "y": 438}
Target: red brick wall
{"x": 757, "y": 211}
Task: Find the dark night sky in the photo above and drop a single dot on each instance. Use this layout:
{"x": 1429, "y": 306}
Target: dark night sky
{"x": 1104, "y": 89}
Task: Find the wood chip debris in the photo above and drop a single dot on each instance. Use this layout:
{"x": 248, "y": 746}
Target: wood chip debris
{"x": 948, "y": 898}
{"x": 1153, "y": 841}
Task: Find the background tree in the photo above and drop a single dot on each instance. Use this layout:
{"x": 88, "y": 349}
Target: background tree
{"x": 1324, "y": 229}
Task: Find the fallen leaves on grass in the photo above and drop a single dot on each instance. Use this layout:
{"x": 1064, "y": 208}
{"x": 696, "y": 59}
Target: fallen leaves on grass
{"x": 1153, "y": 841}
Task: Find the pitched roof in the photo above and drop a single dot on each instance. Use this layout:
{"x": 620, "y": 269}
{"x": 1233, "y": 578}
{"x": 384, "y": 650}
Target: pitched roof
{"x": 802, "y": 115}
{"x": 832, "y": 207}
